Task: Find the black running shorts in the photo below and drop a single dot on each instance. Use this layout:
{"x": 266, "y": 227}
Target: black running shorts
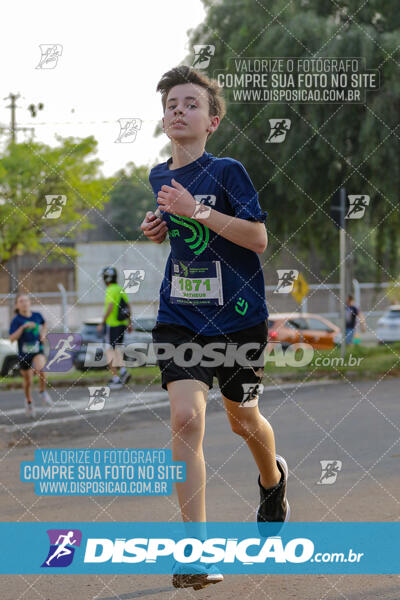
{"x": 235, "y": 380}
{"x": 115, "y": 335}
{"x": 26, "y": 360}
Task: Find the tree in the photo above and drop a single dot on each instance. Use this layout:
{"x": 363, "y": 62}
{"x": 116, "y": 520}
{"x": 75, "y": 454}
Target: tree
{"x": 31, "y": 171}
{"x": 130, "y": 199}
{"x": 328, "y": 146}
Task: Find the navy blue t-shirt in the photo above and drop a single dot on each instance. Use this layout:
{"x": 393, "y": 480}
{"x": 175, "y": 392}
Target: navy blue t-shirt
{"x": 211, "y": 285}
{"x": 29, "y": 341}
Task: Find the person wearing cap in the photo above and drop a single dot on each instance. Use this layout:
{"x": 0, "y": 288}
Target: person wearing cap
{"x": 114, "y": 326}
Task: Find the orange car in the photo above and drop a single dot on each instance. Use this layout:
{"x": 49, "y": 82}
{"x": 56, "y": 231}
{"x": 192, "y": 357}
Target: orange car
{"x": 292, "y": 328}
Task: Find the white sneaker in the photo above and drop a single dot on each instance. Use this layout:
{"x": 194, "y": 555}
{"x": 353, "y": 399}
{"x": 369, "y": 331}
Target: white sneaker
{"x": 30, "y": 409}
{"x": 46, "y": 399}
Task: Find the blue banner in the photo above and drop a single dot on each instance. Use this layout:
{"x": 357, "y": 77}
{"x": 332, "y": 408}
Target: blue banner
{"x": 300, "y": 548}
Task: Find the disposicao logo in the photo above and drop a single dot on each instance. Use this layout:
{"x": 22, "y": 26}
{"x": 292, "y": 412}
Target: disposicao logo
{"x": 136, "y": 550}
{"x": 61, "y": 551}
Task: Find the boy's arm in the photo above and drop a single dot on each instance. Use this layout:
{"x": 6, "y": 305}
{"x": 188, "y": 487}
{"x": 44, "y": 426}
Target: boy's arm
{"x": 248, "y": 234}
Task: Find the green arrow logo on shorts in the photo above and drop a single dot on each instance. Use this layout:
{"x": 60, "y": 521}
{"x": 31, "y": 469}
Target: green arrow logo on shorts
{"x": 241, "y": 306}
{"x": 200, "y": 233}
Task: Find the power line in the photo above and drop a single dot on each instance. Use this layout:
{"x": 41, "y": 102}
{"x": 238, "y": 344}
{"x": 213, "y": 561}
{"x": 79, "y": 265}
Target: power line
{"x": 115, "y": 121}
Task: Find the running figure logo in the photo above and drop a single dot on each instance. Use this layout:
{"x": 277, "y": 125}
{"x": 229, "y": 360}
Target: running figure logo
{"x": 202, "y": 56}
{"x": 62, "y": 347}
{"x": 54, "y": 206}
{"x": 61, "y": 551}
{"x": 357, "y": 206}
{"x": 128, "y": 130}
{"x": 330, "y": 470}
{"x": 133, "y": 279}
{"x": 203, "y": 205}
{"x": 97, "y": 397}
{"x": 251, "y": 392}
{"x": 50, "y": 54}
{"x": 279, "y": 129}
{"x": 287, "y": 277}
{"x": 206, "y": 198}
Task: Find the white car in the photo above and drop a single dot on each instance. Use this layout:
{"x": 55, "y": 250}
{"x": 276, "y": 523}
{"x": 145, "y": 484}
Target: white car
{"x": 388, "y": 329}
{"x": 9, "y": 364}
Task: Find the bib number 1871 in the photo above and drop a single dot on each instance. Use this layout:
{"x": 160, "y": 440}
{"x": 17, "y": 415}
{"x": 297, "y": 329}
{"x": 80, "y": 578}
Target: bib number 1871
{"x": 186, "y": 284}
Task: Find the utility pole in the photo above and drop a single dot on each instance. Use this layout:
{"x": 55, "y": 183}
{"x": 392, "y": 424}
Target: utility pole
{"x": 13, "y": 263}
{"x": 13, "y": 275}
{"x": 13, "y": 121}
{"x": 342, "y": 231}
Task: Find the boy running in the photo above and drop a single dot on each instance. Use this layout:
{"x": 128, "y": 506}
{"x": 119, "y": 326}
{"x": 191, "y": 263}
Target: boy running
{"x": 212, "y": 291}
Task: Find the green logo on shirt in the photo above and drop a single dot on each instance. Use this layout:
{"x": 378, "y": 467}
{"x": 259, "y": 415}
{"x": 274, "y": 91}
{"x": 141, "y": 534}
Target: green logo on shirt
{"x": 200, "y": 233}
{"x": 241, "y": 306}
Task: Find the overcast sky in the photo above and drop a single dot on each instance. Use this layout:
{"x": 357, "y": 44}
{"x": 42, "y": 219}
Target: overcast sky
{"x": 113, "y": 55}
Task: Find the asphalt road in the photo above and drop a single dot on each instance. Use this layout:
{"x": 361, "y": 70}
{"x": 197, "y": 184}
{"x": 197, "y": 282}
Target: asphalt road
{"x": 355, "y": 422}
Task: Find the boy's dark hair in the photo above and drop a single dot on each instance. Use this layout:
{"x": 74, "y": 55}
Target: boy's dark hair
{"x": 185, "y": 74}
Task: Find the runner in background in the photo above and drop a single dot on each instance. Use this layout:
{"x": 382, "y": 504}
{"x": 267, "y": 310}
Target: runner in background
{"x": 352, "y": 313}
{"x": 116, "y": 320}
{"x": 29, "y": 329}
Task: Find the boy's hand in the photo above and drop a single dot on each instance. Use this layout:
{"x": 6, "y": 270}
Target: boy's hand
{"x": 176, "y": 200}
{"x": 154, "y": 228}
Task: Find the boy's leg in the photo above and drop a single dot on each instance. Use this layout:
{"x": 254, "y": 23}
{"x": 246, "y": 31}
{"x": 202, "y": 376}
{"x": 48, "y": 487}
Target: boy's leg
{"x": 244, "y": 417}
{"x": 249, "y": 423}
{"x": 188, "y": 399}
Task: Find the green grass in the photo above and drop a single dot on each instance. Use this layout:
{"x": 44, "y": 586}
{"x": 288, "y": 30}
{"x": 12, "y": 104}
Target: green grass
{"x": 140, "y": 375}
{"x": 362, "y": 361}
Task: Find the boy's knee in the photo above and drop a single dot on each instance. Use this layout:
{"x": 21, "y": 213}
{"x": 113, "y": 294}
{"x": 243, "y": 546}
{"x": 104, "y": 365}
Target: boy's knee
{"x": 187, "y": 422}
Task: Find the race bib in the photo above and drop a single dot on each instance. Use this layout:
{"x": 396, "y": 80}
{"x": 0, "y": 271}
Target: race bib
{"x": 196, "y": 282}
{"x": 31, "y": 347}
